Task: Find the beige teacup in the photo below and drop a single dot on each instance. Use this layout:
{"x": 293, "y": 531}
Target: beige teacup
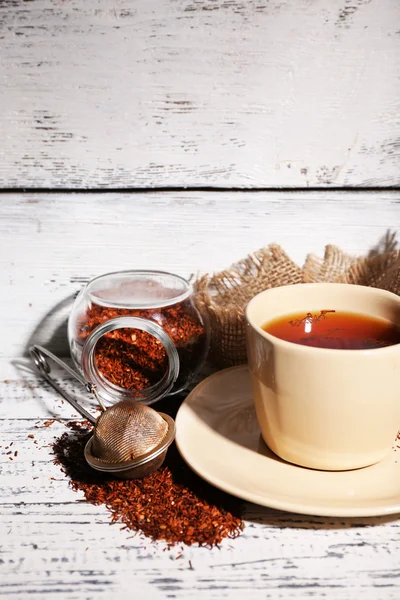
{"x": 323, "y": 408}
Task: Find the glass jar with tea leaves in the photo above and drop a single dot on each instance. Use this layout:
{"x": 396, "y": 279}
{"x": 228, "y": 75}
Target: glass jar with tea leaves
{"x": 137, "y": 335}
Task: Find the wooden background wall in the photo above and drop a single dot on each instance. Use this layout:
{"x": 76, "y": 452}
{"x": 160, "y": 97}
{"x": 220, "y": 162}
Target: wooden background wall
{"x": 185, "y": 101}
{"x": 159, "y": 134}
{"x": 185, "y": 93}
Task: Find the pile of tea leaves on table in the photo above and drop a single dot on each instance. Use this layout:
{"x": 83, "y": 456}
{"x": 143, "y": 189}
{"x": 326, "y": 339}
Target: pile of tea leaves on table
{"x": 171, "y": 504}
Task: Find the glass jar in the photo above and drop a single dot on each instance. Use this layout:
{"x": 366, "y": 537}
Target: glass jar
{"x": 137, "y": 335}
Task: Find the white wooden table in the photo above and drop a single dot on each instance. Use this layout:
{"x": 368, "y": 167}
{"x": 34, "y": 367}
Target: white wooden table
{"x": 112, "y": 114}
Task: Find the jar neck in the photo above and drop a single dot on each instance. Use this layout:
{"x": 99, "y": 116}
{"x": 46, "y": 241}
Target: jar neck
{"x": 108, "y": 391}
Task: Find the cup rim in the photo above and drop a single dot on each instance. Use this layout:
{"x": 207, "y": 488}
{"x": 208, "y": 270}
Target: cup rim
{"x": 313, "y": 349}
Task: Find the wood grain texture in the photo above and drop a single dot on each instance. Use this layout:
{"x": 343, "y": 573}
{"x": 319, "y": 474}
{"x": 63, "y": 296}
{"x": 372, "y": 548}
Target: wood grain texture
{"x": 199, "y": 93}
{"x": 50, "y": 245}
{"x": 55, "y": 545}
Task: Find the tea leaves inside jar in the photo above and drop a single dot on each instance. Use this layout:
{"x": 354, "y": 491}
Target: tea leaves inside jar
{"x": 135, "y": 360}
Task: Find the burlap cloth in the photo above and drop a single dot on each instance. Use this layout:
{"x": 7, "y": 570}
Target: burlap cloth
{"x": 223, "y": 296}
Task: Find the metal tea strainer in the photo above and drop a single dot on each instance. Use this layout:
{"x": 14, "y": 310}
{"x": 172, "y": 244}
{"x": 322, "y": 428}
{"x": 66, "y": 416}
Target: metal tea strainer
{"x": 129, "y": 440}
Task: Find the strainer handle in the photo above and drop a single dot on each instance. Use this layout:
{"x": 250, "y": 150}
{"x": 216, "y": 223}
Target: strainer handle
{"x": 38, "y": 356}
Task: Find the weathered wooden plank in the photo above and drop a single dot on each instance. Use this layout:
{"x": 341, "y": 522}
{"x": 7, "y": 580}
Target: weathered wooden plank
{"x": 287, "y": 561}
{"x": 50, "y": 245}
{"x": 53, "y": 544}
{"x": 59, "y": 544}
{"x": 199, "y": 92}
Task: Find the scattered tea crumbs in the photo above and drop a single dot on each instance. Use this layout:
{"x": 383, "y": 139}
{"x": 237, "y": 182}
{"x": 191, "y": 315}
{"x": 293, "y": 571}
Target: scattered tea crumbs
{"x": 171, "y": 504}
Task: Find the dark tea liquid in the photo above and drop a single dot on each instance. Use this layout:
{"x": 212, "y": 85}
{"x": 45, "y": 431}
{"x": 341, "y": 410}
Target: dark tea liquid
{"x": 335, "y": 329}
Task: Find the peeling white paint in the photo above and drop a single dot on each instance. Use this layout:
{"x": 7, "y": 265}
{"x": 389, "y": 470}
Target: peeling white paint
{"x": 207, "y": 92}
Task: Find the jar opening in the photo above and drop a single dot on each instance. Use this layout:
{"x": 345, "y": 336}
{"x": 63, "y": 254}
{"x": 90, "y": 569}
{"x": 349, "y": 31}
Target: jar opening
{"x": 138, "y": 289}
{"x": 120, "y": 367}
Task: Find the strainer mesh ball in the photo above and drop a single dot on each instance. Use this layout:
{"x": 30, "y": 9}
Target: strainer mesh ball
{"x": 126, "y": 431}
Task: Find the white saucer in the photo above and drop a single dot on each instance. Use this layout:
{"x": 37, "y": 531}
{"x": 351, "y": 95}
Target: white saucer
{"x": 218, "y": 436}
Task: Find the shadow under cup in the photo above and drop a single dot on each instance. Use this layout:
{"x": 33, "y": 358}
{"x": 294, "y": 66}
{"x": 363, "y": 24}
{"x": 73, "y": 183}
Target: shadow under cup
{"x": 324, "y": 408}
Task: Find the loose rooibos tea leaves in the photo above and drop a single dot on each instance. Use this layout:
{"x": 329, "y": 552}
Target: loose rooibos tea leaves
{"x": 171, "y": 504}
{"x": 335, "y": 329}
{"x": 134, "y": 359}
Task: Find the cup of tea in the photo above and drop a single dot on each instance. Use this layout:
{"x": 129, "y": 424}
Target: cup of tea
{"x": 324, "y": 362}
